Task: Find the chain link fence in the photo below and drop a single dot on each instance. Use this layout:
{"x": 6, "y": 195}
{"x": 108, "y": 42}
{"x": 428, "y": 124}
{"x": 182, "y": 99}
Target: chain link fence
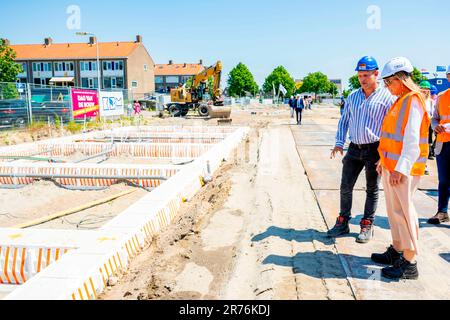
{"x": 22, "y": 104}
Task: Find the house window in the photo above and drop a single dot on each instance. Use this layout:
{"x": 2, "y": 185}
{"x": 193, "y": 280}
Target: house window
{"x": 145, "y": 67}
{"x": 113, "y": 65}
{"x": 113, "y": 82}
{"x": 120, "y": 83}
{"x": 184, "y": 79}
{"x": 47, "y": 67}
{"x": 88, "y": 66}
{"x": 172, "y": 79}
{"x": 134, "y": 84}
{"x": 159, "y": 79}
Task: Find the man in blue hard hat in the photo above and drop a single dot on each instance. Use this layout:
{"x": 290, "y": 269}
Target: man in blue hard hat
{"x": 363, "y": 115}
{"x": 434, "y": 92}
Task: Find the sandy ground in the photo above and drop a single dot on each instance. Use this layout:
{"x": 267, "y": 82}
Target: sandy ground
{"x": 44, "y": 197}
{"x": 246, "y": 235}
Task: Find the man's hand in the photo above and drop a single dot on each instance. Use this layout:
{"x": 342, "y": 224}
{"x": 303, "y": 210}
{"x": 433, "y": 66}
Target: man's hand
{"x": 396, "y": 178}
{"x": 379, "y": 168}
{"x": 439, "y": 129}
{"x": 335, "y": 151}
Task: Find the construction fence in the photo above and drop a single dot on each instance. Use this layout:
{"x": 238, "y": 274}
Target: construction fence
{"x": 22, "y": 104}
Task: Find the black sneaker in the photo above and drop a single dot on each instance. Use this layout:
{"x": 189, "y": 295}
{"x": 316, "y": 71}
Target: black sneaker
{"x": 341, "y": 228}
{"x": 402, "y": 269}
{"x": 389, "y": 257}
{"x": 367, "y": 231}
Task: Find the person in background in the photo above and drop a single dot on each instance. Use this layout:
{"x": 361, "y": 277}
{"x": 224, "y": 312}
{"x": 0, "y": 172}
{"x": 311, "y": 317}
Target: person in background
{"x": 425, "y": 88}
{"x": 403, "y": 155}
{"x": 342, "y": 105}
{"x": 434, "y": 96}
{"x": 306, "y": 102}
{"x": 441, "y": 126}
{"x": 363, "y": 115}
{"x": 292, "y": 106}
{"x": 137, "y": 107}
{"x": 299, "y": 106}
{"x": 434, "y": 93}
{"x": 129, "y": 109}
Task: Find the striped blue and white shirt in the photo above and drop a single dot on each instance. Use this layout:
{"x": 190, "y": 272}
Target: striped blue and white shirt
{"x": 362, "y": 118}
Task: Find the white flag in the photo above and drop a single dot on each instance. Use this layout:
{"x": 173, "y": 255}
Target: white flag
{"x": 282, "y": 89}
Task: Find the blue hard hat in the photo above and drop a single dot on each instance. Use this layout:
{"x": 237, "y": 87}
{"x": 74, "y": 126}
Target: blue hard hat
{"x": 433, "y": 90}
{"x": 367, "y": 63}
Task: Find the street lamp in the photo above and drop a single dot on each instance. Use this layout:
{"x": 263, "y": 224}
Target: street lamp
{"x": 98, "y": 57}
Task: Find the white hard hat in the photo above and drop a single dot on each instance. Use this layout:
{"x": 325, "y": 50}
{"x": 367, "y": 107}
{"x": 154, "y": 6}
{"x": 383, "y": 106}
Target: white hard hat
{"x": 396, "y": 65}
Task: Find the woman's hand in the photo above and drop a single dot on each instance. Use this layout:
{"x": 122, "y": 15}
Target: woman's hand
{"x": 396, "y": 178}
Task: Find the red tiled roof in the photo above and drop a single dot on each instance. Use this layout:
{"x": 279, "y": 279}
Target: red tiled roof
{"x": 74, "y": 50}
{"x": 178, "y": 69}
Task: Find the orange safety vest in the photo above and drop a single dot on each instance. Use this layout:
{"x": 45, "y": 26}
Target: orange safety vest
{"x": 444, "y": 115}
{"x": 393, "y": 132}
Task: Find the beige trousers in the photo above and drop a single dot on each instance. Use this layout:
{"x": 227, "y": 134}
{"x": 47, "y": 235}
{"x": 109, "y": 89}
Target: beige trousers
{"x": 401, "y": 212}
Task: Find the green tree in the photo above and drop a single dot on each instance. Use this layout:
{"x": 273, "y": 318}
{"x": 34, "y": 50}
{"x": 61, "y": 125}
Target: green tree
{"x": 279, "y": 75}
{"x": 316, "y": 82}
{"x": 346, "y": 93}
{"x": 240, "y": 81}
{"x": 354, "y": 83}
{"x": 189, "y": 82}
{"x": 333, "y": 89}
{"x": 8, "y": 91}
{"x": 9, "y": 69}
{"x": 417, "y": 76}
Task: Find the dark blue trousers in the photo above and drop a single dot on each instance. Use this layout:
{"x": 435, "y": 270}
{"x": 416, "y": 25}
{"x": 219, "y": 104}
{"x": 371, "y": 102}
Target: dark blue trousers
{"x": 443, "y": 163}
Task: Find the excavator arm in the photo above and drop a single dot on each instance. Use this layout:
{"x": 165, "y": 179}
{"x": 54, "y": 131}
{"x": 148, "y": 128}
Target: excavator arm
{"x": 215, "y": 72}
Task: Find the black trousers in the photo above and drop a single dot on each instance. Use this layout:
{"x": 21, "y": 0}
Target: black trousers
{"x": 430, "y": 141}
{"x": 357, "y": 159}
{"x": 298, "y": 112}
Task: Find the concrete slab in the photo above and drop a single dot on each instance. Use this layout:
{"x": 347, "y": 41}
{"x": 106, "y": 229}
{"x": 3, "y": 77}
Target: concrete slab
{"x": 323, "y": 172}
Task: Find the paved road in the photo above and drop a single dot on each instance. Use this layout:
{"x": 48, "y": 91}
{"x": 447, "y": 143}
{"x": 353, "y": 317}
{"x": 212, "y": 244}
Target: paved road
{"x": 314, "y": 140}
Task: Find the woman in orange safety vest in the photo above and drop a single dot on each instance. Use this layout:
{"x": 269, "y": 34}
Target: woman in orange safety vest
{"x": 403, "y": 155}
{"x": 441, "y": 126}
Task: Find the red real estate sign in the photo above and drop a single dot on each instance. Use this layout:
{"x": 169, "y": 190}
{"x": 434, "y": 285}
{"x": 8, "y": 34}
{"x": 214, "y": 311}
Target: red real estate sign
{"x": 85, "y": 104}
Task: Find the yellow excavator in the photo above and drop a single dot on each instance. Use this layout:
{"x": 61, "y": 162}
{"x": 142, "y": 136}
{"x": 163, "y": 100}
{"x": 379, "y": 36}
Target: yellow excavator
{"x": 197, "y": 96}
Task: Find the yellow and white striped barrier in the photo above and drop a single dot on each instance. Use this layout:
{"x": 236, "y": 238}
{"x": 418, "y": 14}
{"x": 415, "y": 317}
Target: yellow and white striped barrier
{"x": 26, "y": 252}
{"x": 84, "y": 273}
{"x": 141, "y": 150}
{"x": 88, "y": 173}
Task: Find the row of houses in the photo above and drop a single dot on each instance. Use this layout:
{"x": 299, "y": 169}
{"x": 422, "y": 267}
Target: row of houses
{"x": 122, "y": 65}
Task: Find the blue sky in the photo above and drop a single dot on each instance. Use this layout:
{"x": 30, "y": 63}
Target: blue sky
{"x": 304, "y": 36}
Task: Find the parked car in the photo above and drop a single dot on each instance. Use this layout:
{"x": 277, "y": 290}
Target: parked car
{"x": 15, "y": 112}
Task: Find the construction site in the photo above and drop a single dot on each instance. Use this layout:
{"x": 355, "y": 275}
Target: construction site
{"x": 277, "y": 152}
{"x": 182, "y": 209}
